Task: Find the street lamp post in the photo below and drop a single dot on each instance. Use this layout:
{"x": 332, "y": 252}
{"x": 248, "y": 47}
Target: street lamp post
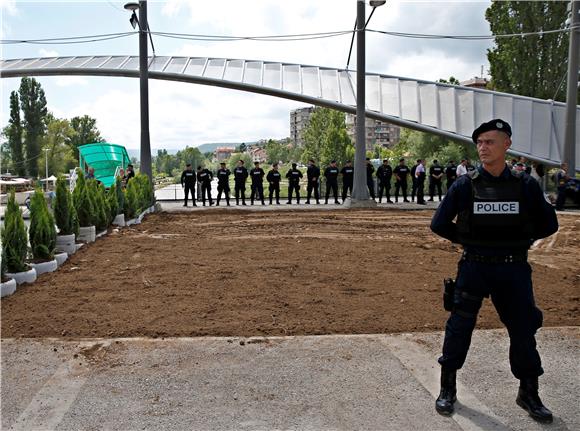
{"x": 360, "y": 193}
{"x": 145, "y": 153}
{"x": 571, "y": 97}
{"x": 46, "y": 150}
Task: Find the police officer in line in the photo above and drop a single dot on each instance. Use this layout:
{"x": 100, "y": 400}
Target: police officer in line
{"x": 414, "y": 180}
{"x": 401, "y": 172}
{"x": 347, "y": 173}
{"x": 274, "y": 177}
{"x": 499, "y": 213}
{"x": 240, "y": 176}
{"x": 562, "y": 179}
{"x": 384, "y": 174}
{"x": 257, "y": 176}
{"x": 188, "y": 184}
{"x": 223, "y": 176}
{"x": 435, "y": 180}
{"x": 420, "y": 175}
{"x": 313, "y": 177}
{"x": 450, "y": 173}
{"x": 294, "y": 176}
{"x": 204, "y": 177}
{"x": 370, "y": 181}
{"x": 331, "y": 175}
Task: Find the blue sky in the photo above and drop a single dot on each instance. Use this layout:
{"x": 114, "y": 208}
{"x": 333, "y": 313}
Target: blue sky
{"x": 185, "y": 114}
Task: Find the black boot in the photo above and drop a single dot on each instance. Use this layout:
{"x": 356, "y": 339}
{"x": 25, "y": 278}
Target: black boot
{"x": 448, "y": 394}
{"x": 528, "y": 399}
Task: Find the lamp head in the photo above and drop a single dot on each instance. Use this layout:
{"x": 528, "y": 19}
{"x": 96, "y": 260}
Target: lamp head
{"x": 131, "y": 6}
{"x": 377, "y": 3}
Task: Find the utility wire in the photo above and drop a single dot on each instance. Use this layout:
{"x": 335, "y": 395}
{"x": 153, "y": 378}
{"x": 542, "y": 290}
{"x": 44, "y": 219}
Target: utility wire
{"x": 470, "y": 37}
{"x": 67, "y": 40}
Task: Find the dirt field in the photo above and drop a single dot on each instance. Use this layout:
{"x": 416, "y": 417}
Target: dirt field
{"x": 272, "y": 273}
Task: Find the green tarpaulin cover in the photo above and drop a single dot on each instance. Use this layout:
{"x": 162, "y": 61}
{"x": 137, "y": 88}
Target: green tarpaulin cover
{"x": 105, "y": 158}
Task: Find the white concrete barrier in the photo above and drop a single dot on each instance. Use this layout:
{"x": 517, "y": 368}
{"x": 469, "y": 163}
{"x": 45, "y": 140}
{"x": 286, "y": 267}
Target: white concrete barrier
{"x": 23, "y": 277}
{"x": 7, "y": 288}
{"x": 43, "y": 267}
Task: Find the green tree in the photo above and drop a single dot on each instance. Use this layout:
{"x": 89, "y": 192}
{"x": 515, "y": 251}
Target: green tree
{"x": 14, "y": 134}
{"x": 534, "y": 65}
{"x": 452, "y": 80}
{"x": 277, "y": 151}
{"x": 42, "y": 232}
{"x": 325, "y": 137}
{"x": 233, "y": 161}
{"x": 83, "y": 131}
{"x": 33, "y": 105}
{"x": 14, "y": 240}
{"x": 416, "y": 145}
{"x": 57, "y": 141}
{"x": 63, "y": 215}
{"x": 82, "y": 201}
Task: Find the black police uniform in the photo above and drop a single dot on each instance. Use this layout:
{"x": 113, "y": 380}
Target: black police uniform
{"x": 188, "y": 184}
{"x": 414, "y": 182}
{"x": 204, "y": 177}
{"x": 402, "y": 171}
{"x": 370, "y": 181}
{"x": 434, "y": 183}
{"x": 498, "y": 218}
{"x": 240, "y": 176}
{"x": 451, "y": 174}
{"x": 331, "y": 175}
{"x": 223, "y": 176}
{"x": 420, "y": 184}
{"x": 347, "y": 180}
{"x": 257, "y": 175}
{"x": 384, "y": 174}
{"x": 293, "y": 176}
{"x": 273, "y": 179}
{"x": 313, "y": 176}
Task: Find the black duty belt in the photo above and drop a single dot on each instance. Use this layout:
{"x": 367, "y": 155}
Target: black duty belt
{"x": 510, "y": 258}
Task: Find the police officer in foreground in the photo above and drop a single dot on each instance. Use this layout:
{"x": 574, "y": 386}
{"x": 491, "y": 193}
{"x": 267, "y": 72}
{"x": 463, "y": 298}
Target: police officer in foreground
{"x": 257, "y": 175}
{"x": 188, "y": 184}
{"x": 499, "y": 215}
{"x": 331, "y": 175}
{"x": 294, "y": 176}
{"x": 204, "y": 177}
{"x": 313, "y": 177}
{"x": 223, "y": 176}
{"x": 274, "y": 176}
{"x": 347, "y": 173}
{"x": 240, "y": 176}
{"x": 384, "y": 174}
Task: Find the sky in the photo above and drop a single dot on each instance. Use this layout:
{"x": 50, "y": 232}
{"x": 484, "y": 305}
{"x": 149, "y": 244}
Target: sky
{"x": 186, "y": 114}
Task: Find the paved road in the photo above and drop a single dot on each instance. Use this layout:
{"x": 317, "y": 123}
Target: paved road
{"x": 374, "y": 382}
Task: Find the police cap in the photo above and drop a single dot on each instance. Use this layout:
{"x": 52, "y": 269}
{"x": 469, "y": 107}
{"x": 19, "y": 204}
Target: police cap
{"x": 497, "y": 124}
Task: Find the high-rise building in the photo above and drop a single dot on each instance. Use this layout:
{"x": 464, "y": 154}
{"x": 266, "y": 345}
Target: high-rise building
{"x": 376, "y": 132}
{"x": 299, "y": 119}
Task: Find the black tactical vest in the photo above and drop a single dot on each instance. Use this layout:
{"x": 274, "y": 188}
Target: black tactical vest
{"x": 496, "y": 215}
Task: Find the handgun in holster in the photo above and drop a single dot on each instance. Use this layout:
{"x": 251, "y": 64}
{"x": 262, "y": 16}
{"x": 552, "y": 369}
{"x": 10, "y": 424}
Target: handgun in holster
{"x": 448, "y": 294}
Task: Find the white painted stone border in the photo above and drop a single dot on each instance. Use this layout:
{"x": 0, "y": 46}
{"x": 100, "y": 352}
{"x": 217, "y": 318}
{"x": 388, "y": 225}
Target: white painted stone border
{"x": 66, "y": 243}
{"x": 103, "y": 233}
{"x": 87, "y": 234}
{"x": 43, "y": 267}
{"x": 119, "y": 220}
{"x": 23, "y": 277}
{"x": 61, "y": 258}
{"x": 8, "y": 288}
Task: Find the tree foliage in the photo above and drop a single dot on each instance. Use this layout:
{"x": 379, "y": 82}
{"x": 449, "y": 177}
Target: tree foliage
{"x": 325, "y": 137}
{"x": 64, "y": 212}
{"x": 83, "y": 131}
{"x": 14, "y": 240}
{"x": 42, "y": 232}
{"x": 534, "y": 65}
{"x": 56, "y": 140}
{"x": 82, "y": 201}
{"x": 33, "y": 105}
{"x": 416, "y": 145}
{"x": 14, "y": 133}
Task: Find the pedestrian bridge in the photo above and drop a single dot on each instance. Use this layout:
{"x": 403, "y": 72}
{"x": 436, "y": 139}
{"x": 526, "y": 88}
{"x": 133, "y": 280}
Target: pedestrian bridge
{"x": 442, "y": 109}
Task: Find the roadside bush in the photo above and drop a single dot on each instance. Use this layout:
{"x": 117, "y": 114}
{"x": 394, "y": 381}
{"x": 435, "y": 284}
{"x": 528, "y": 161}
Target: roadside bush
{"x": 104, "y": 209}
{"x": 113, "y": 203}
{"x": 93, "y": 193}
{"x": 131, "y": 200}
{"x": 82, "y": 201}
{"x": 42, "y": 232}
{"x": 120, "y": 195}
{"x": 63, "y": 210}
{"x": 14, "y": 240}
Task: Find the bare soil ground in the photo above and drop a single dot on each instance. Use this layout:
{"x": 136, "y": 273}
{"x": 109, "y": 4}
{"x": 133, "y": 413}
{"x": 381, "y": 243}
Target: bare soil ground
{"x": 272, "y": 273}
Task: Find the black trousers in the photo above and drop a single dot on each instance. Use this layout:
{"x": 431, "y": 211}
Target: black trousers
{"x": 400, "y": 186}
{"x": 206, "y": 191}
{"x": 420, "y": 190}
{"x": 346, "y": 187}
{"x": 225, "y": 188}
{"x": 371, "y": 187}
{"x": 511, "y": 291}
{"x": 414, "y": 189}
{"x": 449, "y": 184}
{"x": 312, "y": 186}
{"x": 432, "y": 185}
{"x": 386, "y": 187}
{"x": 274, "y": 189}
{"x": 332, "y": 185}
{"x": 257, "y": 192}
{"x": 294, "y": 188}
{"x": 240, "y": 189}
{"x": 189, "y": 189}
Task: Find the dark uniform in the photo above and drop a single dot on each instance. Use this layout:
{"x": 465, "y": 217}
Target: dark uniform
{"x": 451, "y": 174}
{"x": 204, "y": 177}
{"x": 274, "y": 176}
{"x": 420, "y": 183}
{"x": 498, "y": 218}
{"x": 347, "y": 173}
{"x": 435, "y": 170}
{"x": 257, "y": 175}
{"x": 294, "y": 176}
{"x": 402, "y": 171}
{"x": 384, "y": 174}
{"x": 313, "y": 176}
{"x": 370, "y": 181}
{"x": 240, "y": 176}
{"x": 414, "y": 182}
{"x": 223, "y": 176}
{"x": 561, "y": 182}
{"x": 331, "y": 175}
{"x": 188, "y": 184}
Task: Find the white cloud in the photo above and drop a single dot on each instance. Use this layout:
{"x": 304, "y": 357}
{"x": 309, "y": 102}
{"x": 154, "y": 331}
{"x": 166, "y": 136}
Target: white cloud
{"x": 71, "y": 81}
{"x": 47, "y": 52}
{"x": 9, "y": 7}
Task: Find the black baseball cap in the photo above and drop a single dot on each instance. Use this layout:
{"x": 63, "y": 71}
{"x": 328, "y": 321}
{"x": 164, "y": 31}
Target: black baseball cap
{"x": 497, "y": 124}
